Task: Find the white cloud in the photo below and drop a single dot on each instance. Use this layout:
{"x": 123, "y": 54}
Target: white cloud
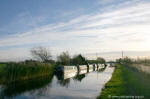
{"x": 124, "y": 28}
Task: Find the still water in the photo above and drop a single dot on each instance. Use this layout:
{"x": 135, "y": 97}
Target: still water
{"x": 81, "y": 86}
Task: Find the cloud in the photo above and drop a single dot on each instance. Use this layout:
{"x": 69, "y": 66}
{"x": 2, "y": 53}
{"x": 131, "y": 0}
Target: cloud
{"x": 123, "y": 27}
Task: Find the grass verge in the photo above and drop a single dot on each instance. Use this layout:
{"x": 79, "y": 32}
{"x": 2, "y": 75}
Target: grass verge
{"x": 127, "y": 82}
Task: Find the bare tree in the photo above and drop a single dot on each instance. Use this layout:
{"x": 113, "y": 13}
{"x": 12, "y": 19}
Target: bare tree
{"x": 41, "y": 54}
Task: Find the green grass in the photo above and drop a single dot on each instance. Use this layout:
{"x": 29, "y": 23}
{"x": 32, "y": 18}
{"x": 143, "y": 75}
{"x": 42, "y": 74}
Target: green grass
{"x": 13, "y": 72}
{"x": 127, "y": 81}
{"x": 2, "y": 67}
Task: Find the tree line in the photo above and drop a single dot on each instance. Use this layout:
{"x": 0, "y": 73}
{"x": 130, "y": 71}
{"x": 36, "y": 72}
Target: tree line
{"x": 44, "y": 55}
{"x": 129, "y": 60}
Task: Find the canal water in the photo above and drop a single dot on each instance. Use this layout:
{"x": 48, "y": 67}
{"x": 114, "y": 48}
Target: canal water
{"x": 81, "y": 86}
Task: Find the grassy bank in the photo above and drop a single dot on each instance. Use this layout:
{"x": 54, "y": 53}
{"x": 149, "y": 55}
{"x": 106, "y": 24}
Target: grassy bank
{"x": 127, "y": 82}
{"x": 12, "y": 72}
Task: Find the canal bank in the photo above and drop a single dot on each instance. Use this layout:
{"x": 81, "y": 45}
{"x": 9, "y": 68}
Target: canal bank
{"x": 127, "y": 82}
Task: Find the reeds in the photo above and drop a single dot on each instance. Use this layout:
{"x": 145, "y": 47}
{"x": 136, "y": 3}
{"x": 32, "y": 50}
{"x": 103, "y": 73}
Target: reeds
{"x": 12, "y": 72}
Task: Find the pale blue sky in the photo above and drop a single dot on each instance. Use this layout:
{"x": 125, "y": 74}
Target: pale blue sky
{"x": 77, "y": 26}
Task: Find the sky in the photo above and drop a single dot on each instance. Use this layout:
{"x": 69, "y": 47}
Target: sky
{"x": 105, "y": 27}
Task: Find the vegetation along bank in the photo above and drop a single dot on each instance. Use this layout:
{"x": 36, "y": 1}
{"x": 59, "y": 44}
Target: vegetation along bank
{"x": 127, "y": 82}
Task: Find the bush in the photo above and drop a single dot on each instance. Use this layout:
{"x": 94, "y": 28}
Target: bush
{"x": 78, "y": 60}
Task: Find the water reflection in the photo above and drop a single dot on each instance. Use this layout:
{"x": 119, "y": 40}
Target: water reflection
{"x": 62, "y": 81}
{"x": 79, "y": 77}
{"x": 14, "y": 89}
{"x": 70, "y": 84}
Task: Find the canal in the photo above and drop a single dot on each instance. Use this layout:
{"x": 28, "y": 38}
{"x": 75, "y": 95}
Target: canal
{"x": 81, "y": 86}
